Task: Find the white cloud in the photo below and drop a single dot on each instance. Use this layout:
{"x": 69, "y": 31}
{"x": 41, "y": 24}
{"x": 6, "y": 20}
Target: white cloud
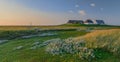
{"x": 82, "y": 12}
{"x": 101, "y": 9}
{"x": 76, "y": 6}
{"x": 71, "y": 11}
{"x": 93, "y": 4}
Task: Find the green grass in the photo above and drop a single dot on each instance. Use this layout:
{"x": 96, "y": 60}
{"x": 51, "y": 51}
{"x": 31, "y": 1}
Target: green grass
{"x": 7, "y": 54}
{"x": 63, "y": 26}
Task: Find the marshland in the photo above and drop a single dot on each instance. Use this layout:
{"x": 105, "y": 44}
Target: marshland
{"x": 62, "y": 43}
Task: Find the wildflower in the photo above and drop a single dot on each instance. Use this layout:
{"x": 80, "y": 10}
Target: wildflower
{"x": 70, "y": 46}
{"x": 18, "y": 48}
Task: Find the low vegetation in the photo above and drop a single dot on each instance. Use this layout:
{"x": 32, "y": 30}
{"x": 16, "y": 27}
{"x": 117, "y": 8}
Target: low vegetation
{"x": 15, "y": 34}
{"x": 105, "y": 39}
{"x": 71, "y": 44}
{"x": 33, "y": 49}
{"x": 8, "y": 34}
{"x": 86, "y": 46}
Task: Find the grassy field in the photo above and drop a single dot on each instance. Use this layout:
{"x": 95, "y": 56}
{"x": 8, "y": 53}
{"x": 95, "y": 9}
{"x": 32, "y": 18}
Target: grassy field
{"x": 95, "y": 40}
{"x": 64, "y": 26}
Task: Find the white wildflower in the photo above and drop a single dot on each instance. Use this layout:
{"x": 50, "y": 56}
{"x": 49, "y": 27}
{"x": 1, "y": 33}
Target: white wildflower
{"x": 18, "y": 48}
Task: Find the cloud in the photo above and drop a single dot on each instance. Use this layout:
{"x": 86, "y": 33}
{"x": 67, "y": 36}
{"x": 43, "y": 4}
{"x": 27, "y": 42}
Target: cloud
{"x": 82, "y": 12}
{"x": 93, "y": 4}
{"x": 76, "y": 5}
{"x": 71, "y": 11}
{"x": 101, "y": 9}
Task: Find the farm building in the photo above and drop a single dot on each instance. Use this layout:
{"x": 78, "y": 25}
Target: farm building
{"x": 88, "y": 21}
{"x": 92, "y": 21}
{"x": 75, "y": 22}
{"x": 100, "y": 22}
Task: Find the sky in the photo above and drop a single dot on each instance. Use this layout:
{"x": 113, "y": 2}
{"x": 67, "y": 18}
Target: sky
{"x": 55, "y": 12}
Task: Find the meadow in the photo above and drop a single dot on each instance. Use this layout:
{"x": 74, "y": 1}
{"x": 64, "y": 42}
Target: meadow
{"x": 101, "y": 43}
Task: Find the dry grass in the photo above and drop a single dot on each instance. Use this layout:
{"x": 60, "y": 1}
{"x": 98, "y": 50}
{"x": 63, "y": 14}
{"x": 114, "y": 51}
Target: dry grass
{"x": 106, "y": 39}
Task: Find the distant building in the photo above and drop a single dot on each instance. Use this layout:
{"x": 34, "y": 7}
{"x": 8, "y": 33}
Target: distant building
{"x": 89, "y": 21}
{"x": 75, "y": 22}
{"x": 100, "y": 22}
